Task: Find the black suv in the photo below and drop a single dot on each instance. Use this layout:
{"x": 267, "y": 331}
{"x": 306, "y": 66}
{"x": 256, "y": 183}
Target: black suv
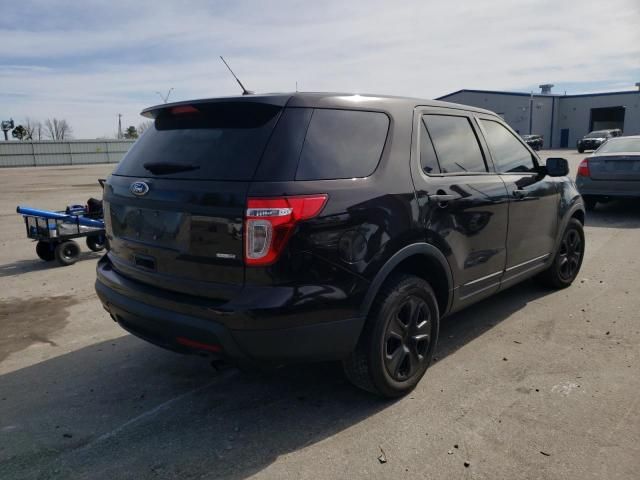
{"x": 534, "y": 141}
{"x": 282, "y": 228}
{"x": 593, "y": 140}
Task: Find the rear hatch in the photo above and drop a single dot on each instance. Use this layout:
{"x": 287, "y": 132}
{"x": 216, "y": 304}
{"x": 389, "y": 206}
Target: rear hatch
{"x": 174, "y": 207}
{"x": 619, "y": 167}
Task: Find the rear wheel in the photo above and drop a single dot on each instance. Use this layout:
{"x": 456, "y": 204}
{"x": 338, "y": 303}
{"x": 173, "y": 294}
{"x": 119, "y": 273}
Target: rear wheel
{"x": 398, "y": 340}
{"x": 568, "y": 260}
{"x": 580, "y": 150}
{"x": 45, "y": 251}
{"x": 67, "y": 252}
{"x": 96, "y": 243}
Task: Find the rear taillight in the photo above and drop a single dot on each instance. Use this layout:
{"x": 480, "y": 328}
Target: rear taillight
{"x": 583, "y": 168}
{"x": 269, "y": 223}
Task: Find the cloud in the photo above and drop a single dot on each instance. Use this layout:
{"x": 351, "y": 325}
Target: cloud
{"x": 88, "y": 64}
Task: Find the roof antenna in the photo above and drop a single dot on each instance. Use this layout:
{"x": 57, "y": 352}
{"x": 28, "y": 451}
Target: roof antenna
{"x": 244, "y": 90}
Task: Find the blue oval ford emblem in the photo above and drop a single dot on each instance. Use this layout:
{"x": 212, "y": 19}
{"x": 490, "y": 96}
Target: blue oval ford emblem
{"x": 139, "y": 188}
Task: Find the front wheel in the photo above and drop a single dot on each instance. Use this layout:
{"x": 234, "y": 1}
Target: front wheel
{"x": 67, "y": 252}
{"x": 568, "y": 260}
{"x": 398, "y": 340}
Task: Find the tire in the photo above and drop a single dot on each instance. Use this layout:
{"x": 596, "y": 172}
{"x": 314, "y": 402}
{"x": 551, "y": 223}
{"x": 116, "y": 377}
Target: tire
{"x": 67, "y": 252}
{"x": 580, "y": 150}
{"x": 590, "y": 203}
{"x": 96, "y": 243}
{"x": 45, "y": 251}
{"x": 568, "y": 260}
{"x": 398, "y": 340}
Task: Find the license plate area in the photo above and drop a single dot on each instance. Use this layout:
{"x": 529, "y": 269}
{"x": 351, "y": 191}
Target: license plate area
{"x": 156, "y": 227}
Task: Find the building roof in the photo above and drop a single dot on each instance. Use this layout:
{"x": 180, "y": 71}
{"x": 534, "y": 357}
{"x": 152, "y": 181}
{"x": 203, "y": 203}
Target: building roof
{"x": 523, "y": 94}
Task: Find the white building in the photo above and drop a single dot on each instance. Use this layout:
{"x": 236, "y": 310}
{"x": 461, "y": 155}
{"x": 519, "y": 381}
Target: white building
{"x": 560, "y": 119}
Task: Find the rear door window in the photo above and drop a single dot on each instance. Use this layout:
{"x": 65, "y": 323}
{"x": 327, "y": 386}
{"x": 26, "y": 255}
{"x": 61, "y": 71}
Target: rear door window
{"x": 508, "y": 153}
{"x": 455, "y": 144}
{"x": 215, "y": 141}
{"x": 342, "y": 144}
{"x": 428, "y": 159}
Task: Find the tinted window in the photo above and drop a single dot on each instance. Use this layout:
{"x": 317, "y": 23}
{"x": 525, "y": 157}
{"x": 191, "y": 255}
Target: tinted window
{"x": 509, "y": 155}
{"x": 428, "y": 159}
{"x": 342, "y": 144}
{"x": 280, "y": 159}
{"x": 455, "y": 144}
{"x": 223, "y": 141}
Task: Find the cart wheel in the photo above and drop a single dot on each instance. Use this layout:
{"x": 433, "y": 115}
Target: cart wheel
{"x": 96, "y": 242}
{"x": 45, "y": 251}
{"x": 67, "y": 252}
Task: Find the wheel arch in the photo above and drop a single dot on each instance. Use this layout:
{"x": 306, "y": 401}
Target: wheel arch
{"x": 578, "y": 214}
{"x": 577, "y": 211}
{"x": 423, "y": 260}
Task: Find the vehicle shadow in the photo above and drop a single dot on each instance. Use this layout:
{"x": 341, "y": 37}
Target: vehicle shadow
{"x": 125, "y": 409}
{"x": 623, "y": 213}
{"x": 34, "y": 265}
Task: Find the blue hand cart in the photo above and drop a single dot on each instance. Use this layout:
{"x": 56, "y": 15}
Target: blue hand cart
{"x": 55, "y": 231}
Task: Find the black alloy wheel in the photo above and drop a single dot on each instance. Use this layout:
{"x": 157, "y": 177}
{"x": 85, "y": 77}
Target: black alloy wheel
{"x": 407, "y": 338}
{"x": 398, "y": 340}
{"x": 570, "y": 257}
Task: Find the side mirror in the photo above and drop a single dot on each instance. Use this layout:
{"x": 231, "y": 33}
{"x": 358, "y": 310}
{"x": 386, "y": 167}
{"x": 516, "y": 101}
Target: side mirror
{"x": 557, "y": 167}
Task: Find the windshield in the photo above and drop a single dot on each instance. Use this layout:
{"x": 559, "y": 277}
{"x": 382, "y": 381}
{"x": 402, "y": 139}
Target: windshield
{"x": 618, "y": 145}
{"x": 597, "y": 134}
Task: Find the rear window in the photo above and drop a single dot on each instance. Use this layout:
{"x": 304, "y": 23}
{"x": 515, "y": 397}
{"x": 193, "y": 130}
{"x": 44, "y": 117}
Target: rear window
{"x": 342, "y": 144}
{"x": 620, "y": 145}
{"x": 215, "y": 141}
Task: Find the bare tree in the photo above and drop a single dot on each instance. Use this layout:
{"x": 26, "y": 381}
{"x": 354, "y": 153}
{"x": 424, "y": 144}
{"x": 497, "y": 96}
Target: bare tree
{"x": 57, "y": 129}
{"x": 33, "y": 128}
{"x": 39, "y": 131}
{"x": 144, "y": 126}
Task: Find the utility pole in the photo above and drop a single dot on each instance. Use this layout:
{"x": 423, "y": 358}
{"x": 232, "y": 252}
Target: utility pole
{"x": 530, "y": 112}
{"x": 119, "y": 126}
{"x": 165, "y": 98}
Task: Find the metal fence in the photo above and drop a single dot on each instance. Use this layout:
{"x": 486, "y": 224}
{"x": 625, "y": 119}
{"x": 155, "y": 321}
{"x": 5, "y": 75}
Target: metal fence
{"x": 68, "y": 152}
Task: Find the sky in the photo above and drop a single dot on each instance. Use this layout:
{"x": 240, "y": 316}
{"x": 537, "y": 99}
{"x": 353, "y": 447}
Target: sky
{"x": 88, "y": 61}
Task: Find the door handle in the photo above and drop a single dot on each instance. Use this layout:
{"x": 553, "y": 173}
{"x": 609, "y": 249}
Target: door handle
{"x": 520, "y": 193}
{"x": 442, "y": 199}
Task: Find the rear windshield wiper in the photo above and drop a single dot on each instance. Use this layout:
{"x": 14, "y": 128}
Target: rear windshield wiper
{"x": 163, "y": 168}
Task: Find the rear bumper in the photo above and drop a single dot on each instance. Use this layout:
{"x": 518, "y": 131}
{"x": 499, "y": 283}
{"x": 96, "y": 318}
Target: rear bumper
{"x": 608, "y": 188}
{"x": 186, "y": 324}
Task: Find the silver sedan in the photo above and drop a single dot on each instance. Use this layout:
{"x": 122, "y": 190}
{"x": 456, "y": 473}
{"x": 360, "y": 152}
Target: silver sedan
{"x": 612, "y": 171}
